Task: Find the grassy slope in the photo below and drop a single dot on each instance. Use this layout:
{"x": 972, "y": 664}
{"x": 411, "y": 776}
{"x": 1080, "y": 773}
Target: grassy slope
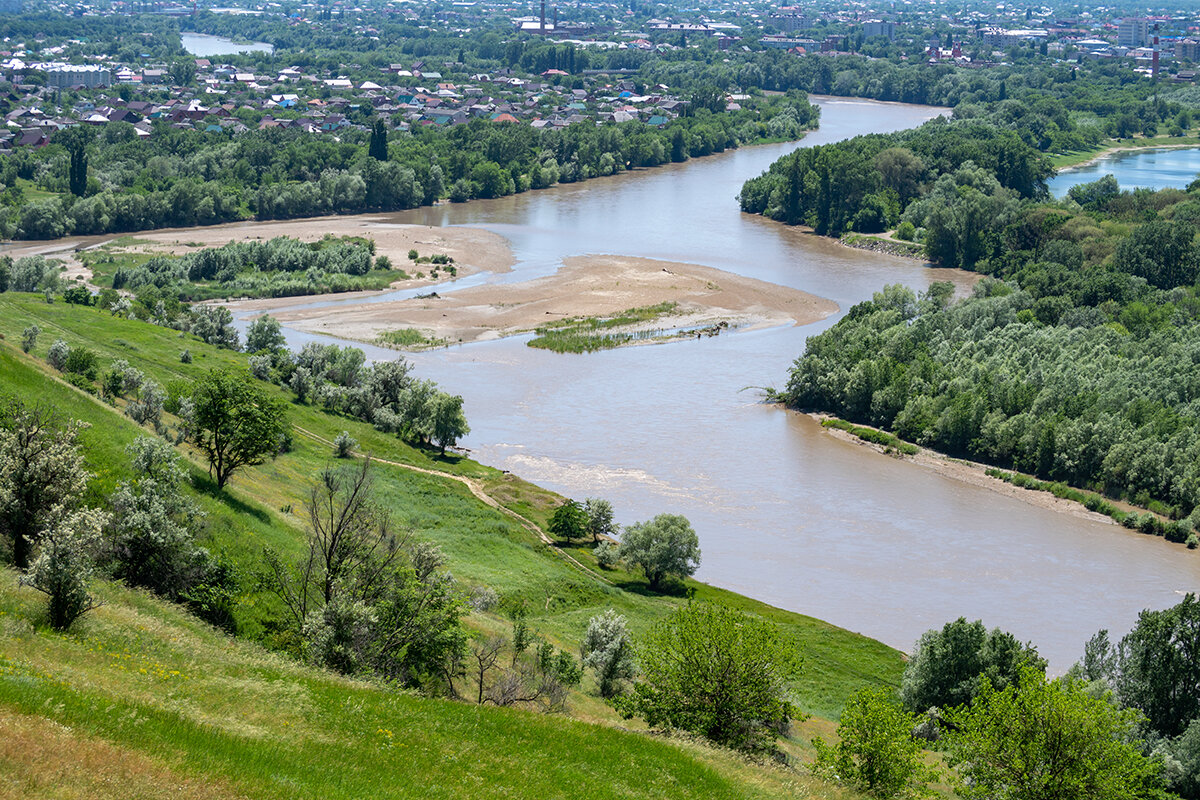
{"x": 484, "y": 546}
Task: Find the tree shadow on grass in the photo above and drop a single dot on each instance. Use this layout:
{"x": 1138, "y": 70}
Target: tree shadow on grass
{"x": 668, "y": 588}
{"x": 206, "y": 485}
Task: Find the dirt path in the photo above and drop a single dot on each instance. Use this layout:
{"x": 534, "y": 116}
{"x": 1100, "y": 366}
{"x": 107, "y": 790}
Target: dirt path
{"x": 485, "y": 498}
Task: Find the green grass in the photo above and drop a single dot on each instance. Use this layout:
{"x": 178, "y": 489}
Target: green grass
{"x": 873, "y": 435}
{"x": 146, "y": 678}
{"x": 408, "y": 339}
{"x": 483, "y": 546}
{"x": 586, "y": 334}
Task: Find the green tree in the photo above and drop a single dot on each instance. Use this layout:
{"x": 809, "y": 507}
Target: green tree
{"x": 1158, "y": 666}
{"x": 713, "y": 671}
{"x": 946, "y": 665}
{"x": 235, "y": 422}
{"x": 876, "y": 750}
{"x": 1038, "y": 739}
{"x": 664, "y": 546}
{"x": 569, "y": 521}
{"x": 264, "y": 334}
{"x": 448, "y": 423}
{"x": 76, "y": 141}
{"x": 378, "y": 148}
{"x": 64, "y": 566}
{"x": 600, "y": 518}
{"x": 42, "y": 475}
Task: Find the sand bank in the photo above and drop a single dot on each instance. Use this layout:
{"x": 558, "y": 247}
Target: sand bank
{"x": 586, "y": 286}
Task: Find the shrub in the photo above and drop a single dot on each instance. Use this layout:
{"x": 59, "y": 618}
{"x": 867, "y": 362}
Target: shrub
{"x": 413, "y": 255}
{"x": 608, "y": 651}
{"x": 716, "y": 672}
{"x": 1192, "y": 541}
{"x": 29, "y": 337}
{"x": 876, "y": 751}
{"x": 148, "y": 407}
{"x": 63, "y": 567}
{"x": 343, "y": 445}
{"x": 383, "y": 262}
{"x": 608, "y": 555}
{"x": 906, "y": 231}
{"x": 57, "y": 356}
{"x": 185, "y": 356}
{"x": 81, "y": 361}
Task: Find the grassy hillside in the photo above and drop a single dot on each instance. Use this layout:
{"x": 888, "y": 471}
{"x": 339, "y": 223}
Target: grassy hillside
{"x": 183, "y": 705}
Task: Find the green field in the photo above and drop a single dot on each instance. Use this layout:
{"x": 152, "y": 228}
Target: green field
{"x": 262, "y": 725}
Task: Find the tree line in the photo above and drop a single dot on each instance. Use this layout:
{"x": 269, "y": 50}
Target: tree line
{"x": 182, "y": 178}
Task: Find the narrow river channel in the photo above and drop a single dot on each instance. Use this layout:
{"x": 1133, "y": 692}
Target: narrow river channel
{"x": 785, "y": 512}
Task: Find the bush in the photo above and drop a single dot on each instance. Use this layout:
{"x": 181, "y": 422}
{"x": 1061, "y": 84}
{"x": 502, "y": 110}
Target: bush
{"x": 608, "y": 651}
{"x": 713, "y": 671}
{"x": 185, "y": 356}
{"x": 57, "y": 356}
{"x": 1192, "y": 541}
{"x": 906, "y": 231}
{"x": 876, "y": 751}
{"x": 29, "y": 337}
{"x": 81, "y": 361}
{"x": 343, "y": 445}
{"x": 63, "y": 567}
{"x": 147, "y": 409}
{"x": 608, "y": 555}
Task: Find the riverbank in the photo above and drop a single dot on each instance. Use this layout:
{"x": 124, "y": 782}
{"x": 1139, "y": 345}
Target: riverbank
{"x": 585, "y": 286}
{"x": 973, "y": 473}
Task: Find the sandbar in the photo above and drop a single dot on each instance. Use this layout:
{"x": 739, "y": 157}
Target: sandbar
{"x": 585, "y": 286}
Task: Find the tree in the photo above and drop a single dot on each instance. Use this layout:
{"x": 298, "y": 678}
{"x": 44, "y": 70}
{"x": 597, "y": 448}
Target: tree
{"x": 607, "y": 650}
{"x": 713, "y": 671}
{"x": 876, "y": 750}
{"x": 76, "y": 141}
{"x": 448, "y": 423}
{"x": 1039, "y": 739}
{"x": 214, "y": 325}
{"x": 42, "y": 475}
{"x": 569, "y": 521}
{"x": 235, "y": 422}
{"x": 64, "y": 566}
{"x": 365, "y": 597}
{"x": 378, "y": 148}
{"x": 600, "y": 518}
{"x": 264, "y": 335}
{"x": 664, "y": 546}
{"x": 1158, "y": 666}
{"x": 946, "y": 665}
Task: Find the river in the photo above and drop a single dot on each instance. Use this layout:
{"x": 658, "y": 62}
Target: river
{"x": 785, "y": 512}
{"x": 1150, "y": 168}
